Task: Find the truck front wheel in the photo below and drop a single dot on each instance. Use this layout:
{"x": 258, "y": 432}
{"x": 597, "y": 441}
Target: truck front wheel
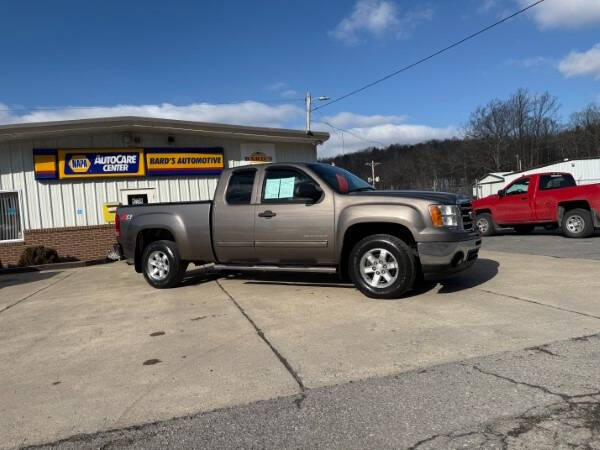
{"x": 161, "y": 264}
{"x": 485, "y": 224}
{"x": 577, "y": 223}
{"x": 382, "y": 266}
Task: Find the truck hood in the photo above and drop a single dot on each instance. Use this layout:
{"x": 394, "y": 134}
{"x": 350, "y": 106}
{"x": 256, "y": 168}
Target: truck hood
{"x": 443, "y": 198}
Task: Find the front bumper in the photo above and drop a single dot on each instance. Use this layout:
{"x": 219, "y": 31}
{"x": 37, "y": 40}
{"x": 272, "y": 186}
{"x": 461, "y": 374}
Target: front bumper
{"x": 448, "y": 257}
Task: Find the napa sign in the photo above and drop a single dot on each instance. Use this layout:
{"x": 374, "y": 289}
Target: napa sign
{"x": 100, "y": 163}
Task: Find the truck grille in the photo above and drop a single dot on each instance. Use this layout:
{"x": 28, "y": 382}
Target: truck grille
{"x": 466, "y": 210}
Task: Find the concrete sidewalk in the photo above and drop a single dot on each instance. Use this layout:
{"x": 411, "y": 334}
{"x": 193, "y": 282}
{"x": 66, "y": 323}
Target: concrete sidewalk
{"x": 96, "y": 348}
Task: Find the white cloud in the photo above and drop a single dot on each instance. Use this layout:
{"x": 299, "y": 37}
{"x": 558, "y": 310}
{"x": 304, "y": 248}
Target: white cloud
{"x": 582, "y": 63}
{"x": 378, "y": 131}
{"x": 378, "y": 18}
{"x": 289, "y": 93}
{"x": 565, "y": 13}
{"x": 530, "y": 62}
{"x": 363, "y": 131}
{"x": 486, "y": 5}
{"x": 276, "y": 86}
{"x": 244, "y": 113}
{"x": 348, "y": 120}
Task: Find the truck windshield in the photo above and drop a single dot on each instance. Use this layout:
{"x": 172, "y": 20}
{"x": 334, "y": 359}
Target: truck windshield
{"x": 339, "y": 179}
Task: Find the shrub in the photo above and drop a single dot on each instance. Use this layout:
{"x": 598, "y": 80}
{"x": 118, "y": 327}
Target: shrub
{"x": 33, "y": 256}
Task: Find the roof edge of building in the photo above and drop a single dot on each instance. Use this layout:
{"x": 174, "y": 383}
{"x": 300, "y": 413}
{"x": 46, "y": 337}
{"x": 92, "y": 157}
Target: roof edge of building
{"x": 133, "y": 123}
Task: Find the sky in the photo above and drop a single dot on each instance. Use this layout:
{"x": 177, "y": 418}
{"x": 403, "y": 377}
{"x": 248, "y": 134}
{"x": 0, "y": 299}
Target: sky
{"x": 252, "y": 62}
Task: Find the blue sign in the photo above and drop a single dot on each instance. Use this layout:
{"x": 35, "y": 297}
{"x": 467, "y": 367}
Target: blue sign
{"x": 86, "y": 163}
{"x": 12, "y": 211}
{"x": 101, "y": 163}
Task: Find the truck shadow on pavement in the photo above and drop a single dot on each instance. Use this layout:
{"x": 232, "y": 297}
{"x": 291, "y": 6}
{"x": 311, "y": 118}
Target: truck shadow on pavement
{"x": 13, "y": 279}
{"x": 483, "y": 271}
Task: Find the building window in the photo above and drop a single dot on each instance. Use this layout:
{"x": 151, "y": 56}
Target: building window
{"x": 10, "y": 217}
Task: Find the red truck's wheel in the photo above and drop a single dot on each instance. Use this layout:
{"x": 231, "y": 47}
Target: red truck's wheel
{"x": 161, "y": 264}
{"x": 382, "y": 266}
{"x": 485, "y": 224}
{"x": 577, "y": 223}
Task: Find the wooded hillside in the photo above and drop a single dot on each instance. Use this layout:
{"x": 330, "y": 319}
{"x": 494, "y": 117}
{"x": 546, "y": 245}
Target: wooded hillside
{"x": 504, "y": 135}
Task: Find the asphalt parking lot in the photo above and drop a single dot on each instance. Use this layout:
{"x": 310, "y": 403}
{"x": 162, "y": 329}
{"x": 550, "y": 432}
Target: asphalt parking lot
{"x": 488, "y": 358}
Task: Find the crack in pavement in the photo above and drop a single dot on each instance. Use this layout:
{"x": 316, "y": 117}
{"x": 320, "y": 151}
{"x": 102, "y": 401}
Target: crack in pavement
{"x": 557, "y": 425}
{"x": 543, "y": 349}
{"x": 298, "y": 401}
{"x": 535, "y": 302}
{"x": 561, "y": 414}
{"x": 32, "y": 294}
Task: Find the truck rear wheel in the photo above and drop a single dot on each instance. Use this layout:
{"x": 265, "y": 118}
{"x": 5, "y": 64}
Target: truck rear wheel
{"x": 161, "y": 264}
{"x": 577, "y": 223}
{"x": 382, "y": 266}
{"x": 485, "y": 224}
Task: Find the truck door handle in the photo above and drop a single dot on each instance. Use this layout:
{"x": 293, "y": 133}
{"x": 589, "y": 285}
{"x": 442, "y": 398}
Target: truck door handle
{"x": 523, "y": 198}
{"x": 268, "y": 214}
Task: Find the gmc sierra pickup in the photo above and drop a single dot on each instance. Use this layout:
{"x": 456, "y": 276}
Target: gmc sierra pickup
{"x": 550, "y": 199}
{"x": 303, "y": 217}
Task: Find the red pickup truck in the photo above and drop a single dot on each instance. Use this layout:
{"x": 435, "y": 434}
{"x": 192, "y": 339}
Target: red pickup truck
{"x": 549, "y": 199}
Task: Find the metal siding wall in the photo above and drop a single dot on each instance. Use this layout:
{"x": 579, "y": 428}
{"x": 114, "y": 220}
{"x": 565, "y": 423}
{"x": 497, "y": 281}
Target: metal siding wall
{"x": 50, "y": 204}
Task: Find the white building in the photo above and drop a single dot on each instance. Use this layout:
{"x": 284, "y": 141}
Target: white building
{"x": 60, "y": 181}
{"x": 585, "y": 171}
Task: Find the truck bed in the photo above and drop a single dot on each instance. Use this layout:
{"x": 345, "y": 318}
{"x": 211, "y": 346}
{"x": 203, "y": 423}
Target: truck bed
{"x": 187, "y": 223}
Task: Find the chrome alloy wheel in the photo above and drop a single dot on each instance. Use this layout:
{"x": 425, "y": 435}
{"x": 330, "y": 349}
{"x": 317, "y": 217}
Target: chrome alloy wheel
{"x": 483, "y": 225}
{"x": 575, "y": 224}
{"x": 379, "y": 268}
{"x": 158, "y": 265}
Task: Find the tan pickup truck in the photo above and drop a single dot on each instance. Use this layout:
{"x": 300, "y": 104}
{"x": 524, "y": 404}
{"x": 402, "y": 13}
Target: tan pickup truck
{"x": 308, "y": 217}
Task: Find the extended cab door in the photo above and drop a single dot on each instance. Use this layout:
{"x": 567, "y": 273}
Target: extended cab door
{"x": 515, "y": 207}
{"x": 233, "y": 218}
{"x": 551, "y": 189}
{"x": 291, "y": 228}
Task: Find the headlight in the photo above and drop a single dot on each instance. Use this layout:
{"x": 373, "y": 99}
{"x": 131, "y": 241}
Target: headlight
{"x": 444, "y": 215}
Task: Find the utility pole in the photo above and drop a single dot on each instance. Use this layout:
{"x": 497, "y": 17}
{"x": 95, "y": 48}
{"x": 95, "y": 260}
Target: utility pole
{"x": 373, "y": 179}
{"x": 308, "y": 102}
{"x": 308, "y": 108}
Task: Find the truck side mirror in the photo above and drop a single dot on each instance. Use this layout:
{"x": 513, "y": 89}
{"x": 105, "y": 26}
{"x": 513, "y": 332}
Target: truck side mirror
{"x": 501, "y": 193}
{"x": 308, "y": 190}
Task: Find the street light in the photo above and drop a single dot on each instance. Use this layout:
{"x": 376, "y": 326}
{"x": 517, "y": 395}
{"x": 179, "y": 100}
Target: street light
{"x": 322, "y": 98}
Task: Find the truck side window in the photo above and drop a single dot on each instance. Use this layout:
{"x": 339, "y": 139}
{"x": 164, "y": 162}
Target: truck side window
{"x": 239, "y": 191}
{"x": 285, "y": 186}
{"x": 556, "y": 181}
{"x": 518, "y": 187}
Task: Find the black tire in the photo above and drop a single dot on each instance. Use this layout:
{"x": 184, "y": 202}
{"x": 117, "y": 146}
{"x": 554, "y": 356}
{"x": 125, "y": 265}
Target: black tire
{"x": 402, "y": 277}
{"x": 165, "y": 253}
{"x": 524, "y": 229}
{"x": 485, "y": 224}
{"x": 577, "y": 223}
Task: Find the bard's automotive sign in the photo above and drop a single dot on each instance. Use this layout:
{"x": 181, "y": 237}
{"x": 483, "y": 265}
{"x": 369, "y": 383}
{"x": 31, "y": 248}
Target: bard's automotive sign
{"x": 184, "y": 161}
{"x": 52, "y": 164}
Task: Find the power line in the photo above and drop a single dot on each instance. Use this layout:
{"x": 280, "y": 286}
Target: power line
{"x": 68, "y": 108}
{"x": 427, "y": 58}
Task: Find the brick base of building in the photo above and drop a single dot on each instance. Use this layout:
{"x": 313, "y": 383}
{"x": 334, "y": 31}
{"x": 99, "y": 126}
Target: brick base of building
{"x": 74, "y": 243}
